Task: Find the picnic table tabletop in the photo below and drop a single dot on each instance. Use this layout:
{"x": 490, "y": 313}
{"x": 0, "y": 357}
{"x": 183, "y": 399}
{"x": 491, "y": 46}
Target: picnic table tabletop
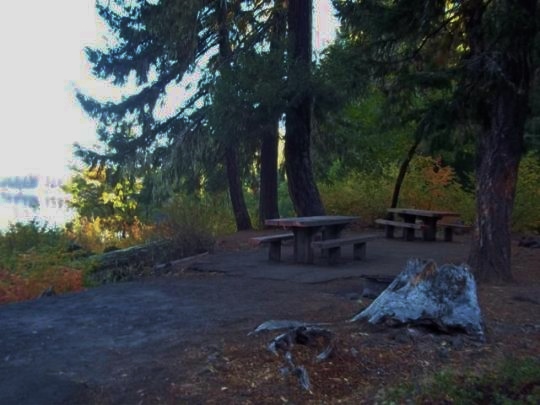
{"x": 313, "y": 221}
{"x": 304, "y": 228}
{"x": 423, "y": 213}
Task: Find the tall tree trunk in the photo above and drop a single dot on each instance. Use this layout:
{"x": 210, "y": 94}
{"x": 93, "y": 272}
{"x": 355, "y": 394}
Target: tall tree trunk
{"x": 302, "y": 187}
{"x": 236, "y": 193}
{"x": 499, "y": 146}
{"x": 268, "y": 196}
{"x": 268, "y": 202}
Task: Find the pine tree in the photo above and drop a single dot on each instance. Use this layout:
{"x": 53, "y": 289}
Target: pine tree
{"x": 483, "y": 49}
{"x": 159, "y": 44}
{"x": 499, "y": 72}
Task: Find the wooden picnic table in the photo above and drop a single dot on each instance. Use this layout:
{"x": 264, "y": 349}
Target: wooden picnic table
{"x": 429, "y": 219}
{"x": 304, "y": 228}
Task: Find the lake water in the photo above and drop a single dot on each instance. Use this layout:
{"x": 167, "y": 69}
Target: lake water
{"x": 24, "y": 206}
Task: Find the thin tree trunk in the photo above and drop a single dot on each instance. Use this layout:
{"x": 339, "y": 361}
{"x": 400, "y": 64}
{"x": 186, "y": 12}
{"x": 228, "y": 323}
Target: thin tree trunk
{"x": 499, "y": 146}
{"x": 268, "y": 203}
{"x": 236, "y": 193}
{"x": 241, "y": 215}
{"x": 401, "y": 174}
{"x": 302, "y": 187}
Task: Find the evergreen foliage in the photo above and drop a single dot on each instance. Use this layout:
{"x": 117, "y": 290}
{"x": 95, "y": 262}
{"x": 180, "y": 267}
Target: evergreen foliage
{"x": 231, "y": 51}
{"x": 444, "y": 79}
{"x": 470, "y": 63}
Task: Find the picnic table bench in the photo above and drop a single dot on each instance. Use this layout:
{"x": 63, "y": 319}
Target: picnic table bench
{"x": 274, "y": 250}
{"x": 449, "y": 230}
{"x": 408, "y": 232}
{"x": 409, "y": 224}
{"x": 331, "y": 247}
{"x": 303, "y": 231}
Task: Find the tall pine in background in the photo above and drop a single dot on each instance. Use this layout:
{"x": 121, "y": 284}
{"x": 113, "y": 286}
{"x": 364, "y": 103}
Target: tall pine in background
{"x": 302, "y": 187}
{"x": 483, "y": 50}
{"x": 498, "y": 77}
{"x": 158, "y": 45}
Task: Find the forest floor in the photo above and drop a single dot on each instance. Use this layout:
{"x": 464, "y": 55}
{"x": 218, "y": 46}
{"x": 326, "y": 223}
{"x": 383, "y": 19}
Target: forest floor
{"x": 182, "y": 337}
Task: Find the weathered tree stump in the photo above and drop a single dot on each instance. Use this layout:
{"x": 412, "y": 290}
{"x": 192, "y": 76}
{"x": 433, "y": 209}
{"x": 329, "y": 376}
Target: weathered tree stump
{"x": 423, "y": 294}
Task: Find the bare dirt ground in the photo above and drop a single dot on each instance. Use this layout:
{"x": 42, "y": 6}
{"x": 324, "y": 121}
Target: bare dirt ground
{"x": 182, "y": 338}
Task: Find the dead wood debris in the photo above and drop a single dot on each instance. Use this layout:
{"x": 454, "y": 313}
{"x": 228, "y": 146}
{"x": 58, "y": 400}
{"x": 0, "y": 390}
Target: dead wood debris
{"x": 298, "y": 333}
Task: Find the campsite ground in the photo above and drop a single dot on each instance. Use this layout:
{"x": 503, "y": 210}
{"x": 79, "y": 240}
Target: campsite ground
{"x": 182, "y": 337}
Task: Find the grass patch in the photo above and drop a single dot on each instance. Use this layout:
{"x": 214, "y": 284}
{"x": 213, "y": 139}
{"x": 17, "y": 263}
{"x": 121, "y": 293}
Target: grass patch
{"x": 515, "y": 381}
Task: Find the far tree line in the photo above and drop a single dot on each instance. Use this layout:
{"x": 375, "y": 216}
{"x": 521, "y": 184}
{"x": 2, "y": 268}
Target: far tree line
{"x": 29, "y": 182}
{"x": 452, "y": 76}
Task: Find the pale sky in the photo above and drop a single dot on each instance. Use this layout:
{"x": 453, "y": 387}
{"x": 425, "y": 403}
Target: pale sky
{"x": 42, "y": 60}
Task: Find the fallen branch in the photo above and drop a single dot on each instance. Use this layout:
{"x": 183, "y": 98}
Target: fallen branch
{"x": 298, "y": 333}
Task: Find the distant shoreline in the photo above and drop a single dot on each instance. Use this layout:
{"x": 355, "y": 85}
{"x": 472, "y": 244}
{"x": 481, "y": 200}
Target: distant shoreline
{"x": 30, "y": 182}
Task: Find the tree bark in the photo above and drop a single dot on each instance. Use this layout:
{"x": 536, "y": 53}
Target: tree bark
{"x": 268, "y": 197}
{"x": 502, "y": 111}
{"x": 236, "y": 193}
{"x": 241, "y": 214}
{"x": 302, "y": 187}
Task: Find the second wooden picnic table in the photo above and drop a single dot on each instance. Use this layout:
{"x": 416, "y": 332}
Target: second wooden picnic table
{"x": 305, "y": 227}
{"x": 429, "y": 219}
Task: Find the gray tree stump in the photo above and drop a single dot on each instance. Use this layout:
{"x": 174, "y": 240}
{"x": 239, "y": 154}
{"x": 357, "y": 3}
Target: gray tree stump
{"x": 423, "y": 294}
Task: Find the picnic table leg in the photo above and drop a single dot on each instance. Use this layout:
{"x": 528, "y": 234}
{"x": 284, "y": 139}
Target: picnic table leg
{"x": 274, "y": 252}
{"x": 359, "y": 251}
{"x": 448, "y": 234}
{"x": 303, "y": 252}
{"x": 332, "y": 232}
{"x": 389, "y": 229}
{"x": 430, "y": 229}
{"x": 408, "y": 233}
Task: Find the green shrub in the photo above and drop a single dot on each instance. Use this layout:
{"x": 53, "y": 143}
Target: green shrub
{"x": 431, "y": 185}
{"x": 34, "y": 257}
{"x": 23, "y": 237}
{"x": 285, "y": 205}
{"x": 428, "y": 185}
{"x": 193, "y": 222}
{"x": 364, "y": 194}
{"x": 526, "y": 213}
{"x": 96, "y": 235}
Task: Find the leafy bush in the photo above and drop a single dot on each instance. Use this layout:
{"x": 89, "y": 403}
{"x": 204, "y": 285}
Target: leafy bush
{"x": 285, "y": 205}
{"x": 115, "y": 203}
{"x": 22, "y": 237}
{"x": 193, "y": 222}
{"x": 362, "y": 194}
{"x": 18, "y": 287}
{"x": 34, "y": 257}
{"x": 95, "y": 235}
{"x": 427, "y": 185}
{"x": 526, "y": 214}
{"x": 433, "y": 186}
